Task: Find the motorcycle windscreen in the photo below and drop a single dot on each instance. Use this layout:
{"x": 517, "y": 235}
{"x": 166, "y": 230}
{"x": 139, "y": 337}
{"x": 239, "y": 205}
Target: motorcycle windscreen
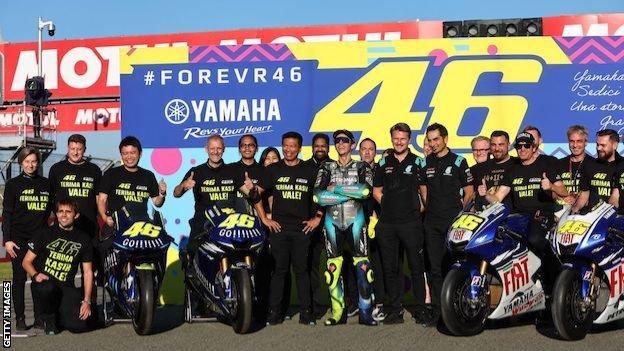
{"x": 142, "y": 235}
{"x": 239, "y": 231}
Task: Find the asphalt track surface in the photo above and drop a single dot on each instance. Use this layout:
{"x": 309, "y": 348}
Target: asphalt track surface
{"x": 172, "y": 334}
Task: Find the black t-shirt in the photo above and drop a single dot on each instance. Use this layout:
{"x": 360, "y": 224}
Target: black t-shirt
{"x": 255, "y": 172}
{"x": 401, "y": 181}
{"x": 617, "y": 181}
{"x": 525, "y": 182}
{"x": 128, "y": 188}
{"x": 77, "y": 183}
{"x": 216, "y": 186}
{"x": 445, "y": 178}
{"x": 596, "y": 178}
{"x": 293, "y": 187}
{"x": 571, "y": 173}
{"x": 493, "y": 173}
{"x": 60, "y": 252}
{"x": 25, "y": 207}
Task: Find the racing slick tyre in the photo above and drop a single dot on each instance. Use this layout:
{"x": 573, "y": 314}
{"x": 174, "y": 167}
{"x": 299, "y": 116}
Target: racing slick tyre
{"x": 146, "y": 303}
{"x": 570, "y": 315}
{"x": 243, "y": 305}
{"x": 462, "y": 316}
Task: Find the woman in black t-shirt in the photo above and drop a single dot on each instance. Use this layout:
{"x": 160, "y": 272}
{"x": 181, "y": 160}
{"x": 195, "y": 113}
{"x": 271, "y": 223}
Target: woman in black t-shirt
{"x": 269, "y": 156}
{"x": 25, "y": 211}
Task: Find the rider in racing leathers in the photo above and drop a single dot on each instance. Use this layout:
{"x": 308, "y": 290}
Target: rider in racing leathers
{"x": 341, "y": 186}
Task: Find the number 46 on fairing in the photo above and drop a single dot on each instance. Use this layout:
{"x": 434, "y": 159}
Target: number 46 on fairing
{"x": 399, "y": 83}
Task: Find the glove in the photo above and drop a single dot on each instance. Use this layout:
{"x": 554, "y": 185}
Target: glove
{"x": 372, "y": 223}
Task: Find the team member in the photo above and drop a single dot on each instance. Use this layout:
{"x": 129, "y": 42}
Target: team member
{"x": 213, "y": 183}
{"x": 446, "y": 175}
{"x": 320, "y": 154}
{"x": 490, "y": 173}
{"x": 342, "y": 186}
{"x": 247, "y": 146}
{"x": 596, "y": 177}
{"x": 367, "y": 151}
{"x": 537, "y": 136}
{"x": 480, "y": 148}
{"x": 25, "y": 210}
{"x": 269, "y": 156}
{"x": 52, "y": 261}
{"x": 530, "y": 183}
{"x": 129, "y": 184}
{"x": 292, "y": 184}
{"x": 397, "y": 187}
{"x": 76, "y": 179}
{"x": 570, "y": 166}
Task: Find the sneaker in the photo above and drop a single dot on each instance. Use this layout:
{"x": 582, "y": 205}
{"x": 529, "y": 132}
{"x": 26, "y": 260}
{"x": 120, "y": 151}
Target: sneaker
{"x": 352, "y": 310}
{"x": 434, "y": 318}
{"x": 20, "y": 324}
{"x": 378, "y": 313}
{"x": 393, "y": 318}
{"x": 319, "y": 312}
{"x": 331, "y": 321}
{"x": 422, "y": 316}
{"x": 306, "y": 317}
{"x": 50, "y": 327}
{"x": 275, "y": 318}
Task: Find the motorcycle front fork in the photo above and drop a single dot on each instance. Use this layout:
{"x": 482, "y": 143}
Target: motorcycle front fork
{"x": 590, "y": 287}
{"x": 477, "y": 284}
{"x": 223, "y": 271}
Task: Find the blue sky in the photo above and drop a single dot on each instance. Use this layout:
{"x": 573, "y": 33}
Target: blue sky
{"x": 87, "y": 19}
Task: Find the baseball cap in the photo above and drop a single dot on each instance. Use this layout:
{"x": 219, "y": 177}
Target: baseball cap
{"x": 346, "y": 133}
{"x": 525, "y": 137}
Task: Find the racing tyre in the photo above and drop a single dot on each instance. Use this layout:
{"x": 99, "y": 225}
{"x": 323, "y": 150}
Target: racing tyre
{"x": 242, "y": 309}
{"x": 146, "y": 303}
{"x": 458, "y": 313}
{"x": 571, "y": 318}
{"x": 188, "y": 305}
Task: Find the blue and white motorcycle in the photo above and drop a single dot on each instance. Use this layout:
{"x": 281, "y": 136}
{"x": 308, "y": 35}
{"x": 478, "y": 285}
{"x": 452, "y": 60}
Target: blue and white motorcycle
{"x": 134, "y": 266}
{"x": 490, "y": 248}
{"x": 219, "y": 275}
{"x": 590, "y": 289}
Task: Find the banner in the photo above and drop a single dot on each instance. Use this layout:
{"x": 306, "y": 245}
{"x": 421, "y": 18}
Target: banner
{"x": 472, "y": 86}
{"x": 611, "y": 24}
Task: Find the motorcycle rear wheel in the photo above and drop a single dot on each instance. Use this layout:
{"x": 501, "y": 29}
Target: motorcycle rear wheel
{"x": 458, "y": 315}
{"x": 242, "y": 313}
{"x": 145, "y": 306}
{"x": 571, "y": 321}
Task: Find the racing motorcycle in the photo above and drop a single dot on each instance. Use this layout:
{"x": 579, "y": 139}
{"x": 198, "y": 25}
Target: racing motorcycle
{"x": 489, "y": 248}
{"x": 134, "y": 267}
{"x": 590, "y": 289}
{"x": 219, "y": 273}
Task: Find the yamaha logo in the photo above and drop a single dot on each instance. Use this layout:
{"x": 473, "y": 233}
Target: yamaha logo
{"x": 177, "y": 111}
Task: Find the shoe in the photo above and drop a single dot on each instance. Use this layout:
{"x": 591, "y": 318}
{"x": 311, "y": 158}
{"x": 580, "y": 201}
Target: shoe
{"x": 20, "y": 323}
{"x": 366, "y": 318}
{"x": 422, "y": 316}
{"x": 50, "y": 327}
{"x": 352, "y": 310}
{"x": 275, "y": 318}
{"x": 434, "y": 317}
{"x": 393, "y": 318}
{"x": 378, "y": 313}
{"x": 331, "y": 321}
{"x": 38, "y": 323}
{"x": 306, "y": 317}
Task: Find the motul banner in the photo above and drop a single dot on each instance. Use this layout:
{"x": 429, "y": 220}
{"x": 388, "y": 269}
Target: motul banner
{"x": 585, "y": 25}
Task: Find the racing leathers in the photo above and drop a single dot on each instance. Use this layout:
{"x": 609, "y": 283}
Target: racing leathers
{"x": 341, "y": 189}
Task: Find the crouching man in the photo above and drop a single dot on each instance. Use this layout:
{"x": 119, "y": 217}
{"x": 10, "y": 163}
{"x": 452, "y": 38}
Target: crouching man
{"x": 52, "y": 261}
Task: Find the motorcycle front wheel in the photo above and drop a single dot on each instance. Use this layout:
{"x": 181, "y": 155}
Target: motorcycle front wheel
{"x": 571, "y": 316}
{"x": 242, "y": 311}
{"x": 460, "y": 316}
{"x": 146, "y": 303}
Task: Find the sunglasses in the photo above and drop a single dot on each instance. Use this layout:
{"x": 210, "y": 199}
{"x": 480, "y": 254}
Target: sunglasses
{"x": 339, "y": 140}
{"x": 523, "y": 146}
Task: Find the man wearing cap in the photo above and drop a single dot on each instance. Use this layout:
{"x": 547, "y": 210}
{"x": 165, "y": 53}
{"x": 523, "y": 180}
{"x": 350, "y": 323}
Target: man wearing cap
{"x": 531, "y": 182}
{"x": 341, "y": 187}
